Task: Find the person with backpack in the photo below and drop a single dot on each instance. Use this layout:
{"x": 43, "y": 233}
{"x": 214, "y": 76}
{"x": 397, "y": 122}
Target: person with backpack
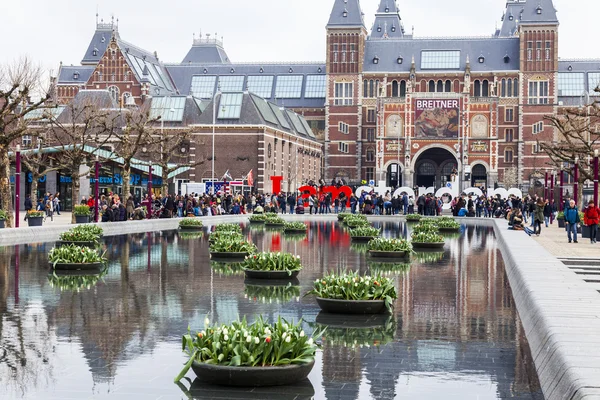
{"x": 571, "y": 220}
{"x": 591, "y": 217}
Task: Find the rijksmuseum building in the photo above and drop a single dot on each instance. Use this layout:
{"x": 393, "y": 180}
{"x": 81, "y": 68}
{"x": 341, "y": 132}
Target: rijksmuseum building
{"x": 384, "y": 106}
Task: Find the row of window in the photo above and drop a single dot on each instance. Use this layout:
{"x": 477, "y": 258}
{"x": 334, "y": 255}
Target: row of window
{"x": 344, "y": 52}
{"x": 509, "y": 88}
{"x": 286, "y": 86}
{"x": 573, "y": 83}
{"x": 538, "y": 51}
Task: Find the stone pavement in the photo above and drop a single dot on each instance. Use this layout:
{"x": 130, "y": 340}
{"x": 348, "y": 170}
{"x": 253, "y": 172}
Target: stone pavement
{"x": 554, "y": 240}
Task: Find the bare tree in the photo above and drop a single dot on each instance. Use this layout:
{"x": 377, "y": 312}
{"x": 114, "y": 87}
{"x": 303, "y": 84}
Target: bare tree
{"x": 79, "y": 133}
{"x": 18, "y": 83}
{"x": 578, "y": 136}
{"x": 136, "y": 133}
{"x": 38, "y": 164}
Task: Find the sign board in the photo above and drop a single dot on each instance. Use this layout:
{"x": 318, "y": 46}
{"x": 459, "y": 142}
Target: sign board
{"x": 371, "y": 182}
{"x": 436, "y": 118}
{"x": 467, "y": 169}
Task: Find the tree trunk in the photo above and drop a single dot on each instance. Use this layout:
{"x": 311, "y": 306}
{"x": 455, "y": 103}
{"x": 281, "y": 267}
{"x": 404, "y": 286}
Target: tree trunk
{"x": 76, "y": 190}
{"x": 34, "y": 187}
{"x": 5, "y": 192}
{"x": 165, "y": 180}
{"x": 126, "y": 178}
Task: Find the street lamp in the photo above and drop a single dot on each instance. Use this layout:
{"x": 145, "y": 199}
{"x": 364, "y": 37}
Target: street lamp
{"x": 596, "y": 177}
{"x": 17, "y": 185}
{"x": 96, "y": 189}
{"x": 214, "y": 110}
{"x": 576, "y": 183}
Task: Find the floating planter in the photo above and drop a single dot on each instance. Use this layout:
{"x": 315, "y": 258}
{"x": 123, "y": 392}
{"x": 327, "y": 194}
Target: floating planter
{"x": 214, "y": 236}
{"x": 191, "y": 235}
{"x": 272, "y": 266}
{"x": 266, "y": 355}
{"x": 190, "y": 224}
{"x": 427, "y": 240}
{"x": 354, "y": 221}
{"x": 356, "y": 330}
{"x": 342, "y": 216}
{"x": 425, "y": 228}
{"x": 228, "y": 228}
{"x": 389, "y": 248}
{"x": 350, "y": 293}
{"x": 274, "y": 221}
{"x": 448, "y": 225}
{"x": 231, "y": 247}
{"x": 258, "y": 218}
{"x": 258, "y": 293}
{"x": 294, "y": 227}
{"x": 71, "y": 257}
{"x": 413, "y": 217}
{"x": 75, "y": 281}
{"x": 80, "y": 236}
{"x": 364, "y": 233}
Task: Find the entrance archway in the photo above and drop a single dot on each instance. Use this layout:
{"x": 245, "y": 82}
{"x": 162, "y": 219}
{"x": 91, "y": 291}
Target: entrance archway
{"x": 394, "y": 176}
{"x": 435, "y": 167}
{"x": 479, "y": 176}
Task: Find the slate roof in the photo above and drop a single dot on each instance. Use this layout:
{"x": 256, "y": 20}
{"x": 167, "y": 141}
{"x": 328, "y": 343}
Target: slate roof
{"x": 493, "y": 49}
{"x": 186, "y": 110}
{"x": 388, "y": 23}
{"x": 99, "y": 98}
{"x": 354, "y": 15}
{"x": 182, "y": 77}
{"x": 67, "y": 74}
{"x": 99, "y": 43}
{"x": 206, "y": 51}
{"x": 525, "y": 11}
{"x": 257, "y": 111}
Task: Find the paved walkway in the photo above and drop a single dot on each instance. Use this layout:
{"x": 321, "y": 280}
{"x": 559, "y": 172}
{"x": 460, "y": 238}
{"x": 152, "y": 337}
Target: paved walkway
{"x": 554, "y": 239}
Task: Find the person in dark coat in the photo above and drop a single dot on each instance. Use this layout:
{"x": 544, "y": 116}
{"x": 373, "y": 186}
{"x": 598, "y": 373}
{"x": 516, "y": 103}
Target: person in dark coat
{"x": 122, "y": 212}
{"x": 170, "y": 205}
{"x": 107, "y": 214}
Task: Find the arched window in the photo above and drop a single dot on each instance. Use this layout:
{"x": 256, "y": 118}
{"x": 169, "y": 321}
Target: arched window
{"x": 427, "y": 168}
{"x": 485, "y": 89}
{"x": 516, "y": 88}
{"x": 126, "y": 98}
{"x": 114, "y": 93}
{"x": 370, "y": 155}
{"x": 508, "y": 155}
{"x": 440, "y": 87}
{"x": 366, "y": 88}
{"x": 395, "y": 89}
{"x": 477, "y": 92}
{"x": 503, "y": 92}
{"x": 371, "y": 87}
{"x": 432, "y": 86}
{"x": 478, "y": 170}
{"x": 448, "y": 168}
{"x": 403, "y": 89}
{"x": 448, "y": 86}
{"x": 377, "y": 88}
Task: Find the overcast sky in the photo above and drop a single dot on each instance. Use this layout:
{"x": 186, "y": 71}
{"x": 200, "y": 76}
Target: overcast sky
{"x": 253, "y": 30}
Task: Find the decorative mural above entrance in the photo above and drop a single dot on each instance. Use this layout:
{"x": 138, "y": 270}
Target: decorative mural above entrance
{"x": 436, "y": 118}
{"x": 479, "y": 147}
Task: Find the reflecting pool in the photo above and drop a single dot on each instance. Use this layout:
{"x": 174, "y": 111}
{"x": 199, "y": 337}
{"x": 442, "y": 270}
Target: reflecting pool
{"x": 454, "y": 332}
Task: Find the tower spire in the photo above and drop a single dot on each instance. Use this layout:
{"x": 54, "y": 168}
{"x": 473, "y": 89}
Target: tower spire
{"x": 346, "y": 13}
{"x": 388, "y": 16}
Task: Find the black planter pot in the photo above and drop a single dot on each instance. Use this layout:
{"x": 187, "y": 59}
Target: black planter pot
{"x": 82, "y": 219}
{"x": 302, "y": 390}
{"x": 387, "y": 254}
{"x": 35, "y": 221}
{"x": 449, "y": 230}
{"x": 257, "y": 222}
{"x": 251, "y": 376}
{"x": 428, "y": 245}
{"x": 190, "y": 228}
{"x": 280, "y": 275}
{"x": 76, "y": 267}
{"x": 586, "y": 231}
{"x": 561, "y": 223}
{"x": 83, "y": 244}
{"x": 2, "y": 223}
{"x": 362, "y": 239}
{"x": 227, "y": 256}
{"x": 345, "y": 321}
{"x": 274, "y": 225}
{"x": 351, "y": 306}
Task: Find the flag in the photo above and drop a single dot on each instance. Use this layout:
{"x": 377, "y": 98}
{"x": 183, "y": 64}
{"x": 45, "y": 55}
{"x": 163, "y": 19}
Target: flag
{"x": 250, "y": 178}
{"x": 227, "y": 176}
{"x": 232, "y": 183}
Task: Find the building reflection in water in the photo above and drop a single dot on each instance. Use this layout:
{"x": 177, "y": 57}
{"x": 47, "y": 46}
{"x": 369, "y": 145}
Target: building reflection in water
{"x": 454, "y": 320}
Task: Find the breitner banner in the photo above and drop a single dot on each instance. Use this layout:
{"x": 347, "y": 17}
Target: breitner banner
{"x": 436, "y": 119}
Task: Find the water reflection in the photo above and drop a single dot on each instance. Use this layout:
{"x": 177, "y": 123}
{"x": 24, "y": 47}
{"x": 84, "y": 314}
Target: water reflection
{"x": 454, "y": 329}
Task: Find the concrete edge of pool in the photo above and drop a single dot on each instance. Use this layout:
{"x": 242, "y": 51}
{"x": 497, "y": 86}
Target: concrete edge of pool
{"x": 559, "y": 311}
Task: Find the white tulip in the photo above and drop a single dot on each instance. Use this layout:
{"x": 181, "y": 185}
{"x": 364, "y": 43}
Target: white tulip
{"x": 256, "y": 340}
{"x": 248, "y": 339}
{"x": 310, "y": 341}
{"x": 301, "y": 333}
{"x": 288, "y": 339}
{"x": 225, "y": 331}
{"x": 226, "y": 337}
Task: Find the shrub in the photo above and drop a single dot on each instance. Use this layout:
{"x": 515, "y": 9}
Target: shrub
{"x": 294, "y": 226}
{"x": 72, "y": 254}
{"x": 363, "y": 231}
{"x": 427, "y": 237}
{"x": 34, "y": 214}
{"x": 228, "y": 244}
{"x": 228, "y": 228}
{"x": 268, "y": 261}
{"x": 352, "y": 286}
{"x": 259, "y": 344}
{"x": 381, "y": 244}
{"x": 82, "y": 210}
{"x": 191, "y": 222}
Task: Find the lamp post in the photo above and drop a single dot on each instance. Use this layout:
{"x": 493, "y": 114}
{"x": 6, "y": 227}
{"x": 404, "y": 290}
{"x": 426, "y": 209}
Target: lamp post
{"x": 150, "y": 190}
{"x": 596, "y": 177}
{"x": 562, "y": 183}
{"x": 96, "y": 189}
{"x": 214, "y": 116}
{"x": 552, "y": 178}
{"x": 576, "y": 175}
{"x": 17, "y": 185}
{"x": 546, "y": 186}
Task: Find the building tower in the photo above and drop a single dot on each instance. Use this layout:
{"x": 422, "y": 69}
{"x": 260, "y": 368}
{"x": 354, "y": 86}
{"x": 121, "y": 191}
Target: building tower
{"x": 346, "y": 35}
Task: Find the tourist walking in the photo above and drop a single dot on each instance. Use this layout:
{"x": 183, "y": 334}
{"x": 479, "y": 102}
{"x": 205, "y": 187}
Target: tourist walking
{"x": 591, "y": 217}
{"x": 571, "y": 221}
{"x": 538, "y": 216}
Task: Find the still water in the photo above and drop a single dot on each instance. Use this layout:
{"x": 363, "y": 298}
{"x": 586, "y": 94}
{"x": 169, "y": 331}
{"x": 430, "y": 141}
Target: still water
{"x": 454, "y": 333}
